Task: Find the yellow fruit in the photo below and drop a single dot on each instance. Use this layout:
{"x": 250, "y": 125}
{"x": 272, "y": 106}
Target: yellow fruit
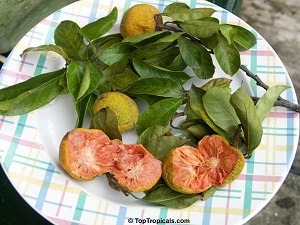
{"x": 139, "y": 19}
{"x": 215, "y": 163}
{"x": 123, "y": 106}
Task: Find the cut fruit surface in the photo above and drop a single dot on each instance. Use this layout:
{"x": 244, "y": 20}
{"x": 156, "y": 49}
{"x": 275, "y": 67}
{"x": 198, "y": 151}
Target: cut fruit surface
{"x": 82, "y": 152}
{"x": 137, "y": 170}
{"x": 214, "y": 163}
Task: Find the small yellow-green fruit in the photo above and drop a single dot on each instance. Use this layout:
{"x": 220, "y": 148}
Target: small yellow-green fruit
{"x": 122, "y": 105}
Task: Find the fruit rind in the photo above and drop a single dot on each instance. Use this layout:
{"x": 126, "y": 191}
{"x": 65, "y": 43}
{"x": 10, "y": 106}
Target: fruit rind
{"x": 214, "y": 163}
{"x": 138, "y": 19}
{"x": 123, "y": 106}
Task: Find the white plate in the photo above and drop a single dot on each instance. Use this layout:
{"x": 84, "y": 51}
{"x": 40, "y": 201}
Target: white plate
{"x": 29, "y": 143}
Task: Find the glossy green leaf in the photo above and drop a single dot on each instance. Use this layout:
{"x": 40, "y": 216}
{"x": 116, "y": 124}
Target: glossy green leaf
{"x": 106, "y": 120}
{"x": 82, "y": 107}
{"x": 149, "y": 37}
{"x": 148, "y": 71}
{"x": 176, "y": 7}
{"x": 91, "y": 78}
{"x": 227, "y": 56}
{"x": 164, "y": 87}
{"x": 118, "y": 52}
{"x": 74, "y": 76}
{"x": 53, "y": 48}
{"x": 266, "y": 102}
{"x": 158, "y": 114}
{"x": 217, "y": 105}
{"x": 19, "y": 103}
{"x": 163, "y": 195}
{"x": 201, "y": 28}
{"x": 120, "y": 76}
{"x": 182, "y": 12}
{"x": 244, "y": 39}
{"x": 251, "y": 123}
{"x": 13, "y": 91}
{"x": 228, "y": 32}
{"x": 196, "y": 102}
{"x": 158, "y": 140}
{"x": 210, "y": 42}
{"x": 67, "y": 36}
{"x": 197, "y": 57}
{"x": 216, "y": 82}
{"x": 100, "y": 27}
{"x": 98, "y": 46}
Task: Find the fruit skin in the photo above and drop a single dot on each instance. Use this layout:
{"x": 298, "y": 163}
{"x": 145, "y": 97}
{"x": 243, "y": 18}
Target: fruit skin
{"x": 122, "y": 105}
{"x": 77, "y": 156}
{"x": 139, "y": 19}
{"x": 215, "y": 163}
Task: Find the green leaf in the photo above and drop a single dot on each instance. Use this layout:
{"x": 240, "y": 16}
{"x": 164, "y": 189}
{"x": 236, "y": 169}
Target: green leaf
{"x": 197, "y": 57}
{"x": 164, "y": 87}
{"x": 266, "y": 102}
{"x": 106, "y": 120}
{"x": 210, "y": 42}
{"x": 170, "y": 38}
{"x": 216, "y": 82}
{"x": 146, "y": 38}
{"x": 67, "y": 36}
{"x": 100, "y": 27}
{"x": 148, "y": 71}
{"x": 26, "y": 100}
{"x": 176, "y": 7}
{"x": 50, "y": 47}
{"x": 228, "y": 32}
{"x": 150, "y": 50}
{"x": 244, "y": 39}
{"x": 158, "y": 140}
{"x": 201, "y": 28}
{"x": 251, "y": 123}
{"x": 98, "y": 46}
{"x": 120, "y": 76}
{"x": 12, "y": 92}
{"x": 118, "y": 52}
{"x": 82, "y": 107}
{"x": 227, "y": 56}
{"x": 158, "y": 114}
{"x": 164, "y": 195}
{"x": 182, "y": 12}
{"x": 196, "y": 103}
{"x": 217, "y": 105}
{"x": 74, "y": 76}
{"x": 90, "y": 80}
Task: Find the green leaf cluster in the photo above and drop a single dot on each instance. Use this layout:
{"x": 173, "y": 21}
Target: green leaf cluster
{"x": 212, "y": 108}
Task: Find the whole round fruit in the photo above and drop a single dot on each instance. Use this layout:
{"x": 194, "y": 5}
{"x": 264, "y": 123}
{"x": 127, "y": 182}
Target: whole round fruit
{"x": 139, "y": 19}
{"x": 80, "y": 153}
{"x": 123, "y": 106}
{"x": 215, "y": 163}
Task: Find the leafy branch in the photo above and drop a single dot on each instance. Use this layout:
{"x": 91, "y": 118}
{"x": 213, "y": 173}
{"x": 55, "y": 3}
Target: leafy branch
{"x": 175, "y": 27}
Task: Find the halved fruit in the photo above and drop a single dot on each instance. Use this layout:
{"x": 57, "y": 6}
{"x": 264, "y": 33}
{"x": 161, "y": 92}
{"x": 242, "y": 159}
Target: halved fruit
{"x": 136, "y": 169}
{"x": 85, "y": 153}
{"x": 215, "y": 163}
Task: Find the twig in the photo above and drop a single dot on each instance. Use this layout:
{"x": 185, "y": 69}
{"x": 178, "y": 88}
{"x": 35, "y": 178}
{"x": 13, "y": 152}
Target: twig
{"x": 237, "y": 136}
{"x": 280, "y": 101}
